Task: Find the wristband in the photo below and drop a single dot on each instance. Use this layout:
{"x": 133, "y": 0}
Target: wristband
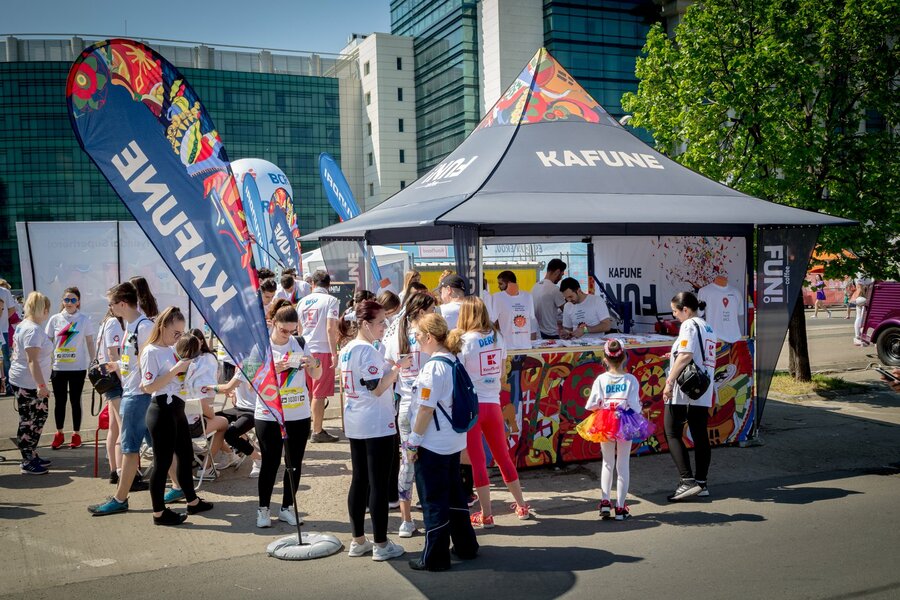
{"x": 412, "y": 449}
{"x": 584, "y": 330}
{"x": 415, "y": 439}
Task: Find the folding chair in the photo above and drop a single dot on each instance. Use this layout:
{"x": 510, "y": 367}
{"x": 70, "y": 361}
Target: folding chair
{"x": 193, "y": 411}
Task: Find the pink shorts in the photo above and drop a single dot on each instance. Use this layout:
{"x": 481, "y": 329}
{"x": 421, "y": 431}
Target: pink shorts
{"x": 322, "y": 387}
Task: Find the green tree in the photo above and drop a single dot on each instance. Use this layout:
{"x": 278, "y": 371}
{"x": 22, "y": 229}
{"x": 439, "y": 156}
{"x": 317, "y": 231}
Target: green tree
{"x": 793, "y": 101}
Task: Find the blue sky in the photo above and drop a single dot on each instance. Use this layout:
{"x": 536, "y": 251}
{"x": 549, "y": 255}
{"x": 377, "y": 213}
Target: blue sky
{"x": 320, "y": 26}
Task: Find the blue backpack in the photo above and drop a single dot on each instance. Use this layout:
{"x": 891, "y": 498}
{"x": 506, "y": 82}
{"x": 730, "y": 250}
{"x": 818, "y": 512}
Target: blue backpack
{"x": 465, "y": 400}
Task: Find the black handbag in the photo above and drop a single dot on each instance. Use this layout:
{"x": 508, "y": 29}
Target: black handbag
{"x": 693, "y": 380}
{"x": 102, "y": 379}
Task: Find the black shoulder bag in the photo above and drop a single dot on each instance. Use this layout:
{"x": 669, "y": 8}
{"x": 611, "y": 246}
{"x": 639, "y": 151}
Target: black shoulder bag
{"x": 101, "y": 379}
{"x": 693, "y": 380}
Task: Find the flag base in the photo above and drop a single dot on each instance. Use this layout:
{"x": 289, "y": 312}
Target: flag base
{"x": 315, "y": 545}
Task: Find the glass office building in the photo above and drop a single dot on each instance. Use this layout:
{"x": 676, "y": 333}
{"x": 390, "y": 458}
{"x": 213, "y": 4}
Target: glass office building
{"x": 260, "y": 103}
{"x": 447, "y": 72}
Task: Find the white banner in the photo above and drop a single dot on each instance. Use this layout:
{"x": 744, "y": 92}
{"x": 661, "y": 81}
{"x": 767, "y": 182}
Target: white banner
{"x": 648, "y": 271}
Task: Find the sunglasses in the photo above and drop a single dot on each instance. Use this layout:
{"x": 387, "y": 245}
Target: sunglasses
{"x": 284, "y": 331}
{"x": 72, "y": 301}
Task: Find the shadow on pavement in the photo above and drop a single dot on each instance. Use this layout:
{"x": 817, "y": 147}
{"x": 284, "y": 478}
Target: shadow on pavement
{"x": 18, "y": 511}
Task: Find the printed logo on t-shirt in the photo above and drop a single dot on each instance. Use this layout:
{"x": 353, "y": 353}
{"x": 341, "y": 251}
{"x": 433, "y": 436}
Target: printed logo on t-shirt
{"x": 490, "y": 362}
{"x": 116, "y": 339}
{"x": 373, "y": 370}
{"x": 65, "y": 343}
{"x": 348, "y": 384}
{"x": 312, "y": 316}
{"x": 684, "y": 343}
{"x": 426, "y": 393}
{"x": 148, "y": 376}
{"x": 725, "y": 302}
{"x": 520, "y": 321}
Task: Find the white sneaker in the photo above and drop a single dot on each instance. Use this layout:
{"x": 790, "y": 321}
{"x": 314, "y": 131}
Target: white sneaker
{"x": 232, "y": 459}
{"x": 263, "y": 517}
{"x": 388, "y": 551}
{"x": 407, "y": 529}
{"x": 360, "y": 549}
{"x": 286, "y": 514}
{"x": 208, "y": 474}
{"x": 254, "y": 472}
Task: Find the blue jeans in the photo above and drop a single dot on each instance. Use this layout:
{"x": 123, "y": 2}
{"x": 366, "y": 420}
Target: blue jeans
{"x": 133, "y": 411}
{"x": 6, "y": 355}
{"x": 444, "y": 509}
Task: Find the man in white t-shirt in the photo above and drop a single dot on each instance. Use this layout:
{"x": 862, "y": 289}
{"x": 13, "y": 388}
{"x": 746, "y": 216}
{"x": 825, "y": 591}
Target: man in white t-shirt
{"x": 724, "y": 309}
{"x": 548, "y": 300}
{"x": 514, "y": 313}
{"x": 319, "y": 318}
{"x": 287, "y": 289}
{"x": 452, "y": 290}
{"x": 583, "y": 313}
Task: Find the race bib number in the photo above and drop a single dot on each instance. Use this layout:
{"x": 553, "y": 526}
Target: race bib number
{"x": 125, "y": 365}
{"x": 292, "y": 397}
{"x": 65, "y": 354}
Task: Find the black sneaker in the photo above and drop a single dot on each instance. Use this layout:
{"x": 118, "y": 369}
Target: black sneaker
{"x": 418, "y": 565}
{"x": 323, "y": 437}
{"x": 169, "y": 517}
{"x": 114, "y": 478}
{"x": 686, "y": 489}
{"x": 201, "y": 506}
{"x": 139, "y": 485}
{"x": 704, "y": 491}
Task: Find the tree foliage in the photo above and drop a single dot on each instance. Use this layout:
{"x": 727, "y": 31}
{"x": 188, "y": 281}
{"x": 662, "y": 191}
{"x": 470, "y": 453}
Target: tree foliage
{"x": 793, "y": 101}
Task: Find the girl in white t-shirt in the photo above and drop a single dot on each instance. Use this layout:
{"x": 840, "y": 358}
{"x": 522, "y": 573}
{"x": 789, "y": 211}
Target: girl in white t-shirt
{"x": 613, "y": 395}
{"x": 696, "y": 342}
{"x": 402, "y": 343}
{"x": 72, "y": 333}
{"x": 162, "y": 376}
{"x": 435, "y": 447}
{"x": 368, "y": 381}
{"x": 484, "y": 355}
{"x": 293, "y": 364}
{"x": 109, "y": 340}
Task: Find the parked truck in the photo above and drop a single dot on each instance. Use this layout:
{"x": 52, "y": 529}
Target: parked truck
{"x": 881, "y": 326}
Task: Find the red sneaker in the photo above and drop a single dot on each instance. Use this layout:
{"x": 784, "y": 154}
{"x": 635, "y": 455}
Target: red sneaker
{"x": 58, "y": 440}
{"x": 605, "y": 509}
{"x": 76, "y": 441}
{"x": 479, "y": 521}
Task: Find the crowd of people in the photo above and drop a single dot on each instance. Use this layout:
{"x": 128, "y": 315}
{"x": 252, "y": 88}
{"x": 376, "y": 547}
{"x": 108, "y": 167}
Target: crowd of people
{"x": 398, "y": 358}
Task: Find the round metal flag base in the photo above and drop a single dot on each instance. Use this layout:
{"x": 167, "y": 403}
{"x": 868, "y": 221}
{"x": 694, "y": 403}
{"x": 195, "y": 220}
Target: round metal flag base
{"x": 315, "y": 545}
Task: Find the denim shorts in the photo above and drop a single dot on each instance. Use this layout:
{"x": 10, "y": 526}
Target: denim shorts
{"x": 133, "y": 411}
{"x": 113, "y": 394}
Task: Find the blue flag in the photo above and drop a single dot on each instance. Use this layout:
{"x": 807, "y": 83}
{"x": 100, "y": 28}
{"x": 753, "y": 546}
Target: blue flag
{"x": 146, "y": 130}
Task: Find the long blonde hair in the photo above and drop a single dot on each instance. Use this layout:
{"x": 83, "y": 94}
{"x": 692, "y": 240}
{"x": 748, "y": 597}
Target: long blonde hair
{"x": 164, "y": 319}
{"x": 435, "y": 325}
{"x": 35, "y": 305}
{"x": 473, "y": 316}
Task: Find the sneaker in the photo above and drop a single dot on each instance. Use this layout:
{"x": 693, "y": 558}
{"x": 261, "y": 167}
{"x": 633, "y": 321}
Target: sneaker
{"x": 76, "y": 441}
{"x": 387, "y": 552}
{"x": 170, "y": 517}
{"x": 704, "y": 491}
{"x": 208, "y": 474}
{"x": 43, "y": 461}
{"x": 232, "y": 459}
{"x": 416, "y": 564}
{"x": 472, "y": 500}
{"x": 286, "y": 514}
{"x": 263, "y": 517}
{"x": 33, "y": 467}
{"x": 394, "y": 505}
{"x": 523, "y": 511}
{"x": 110, "y": 507}
{"x": 58, "y": 440}
{"x": 407, "y": 529}
{"x": 114, "y": 478}
{"x": 605, "y": 509}
{"x": 360, "y": 549}
{"x": 622, "y": 513}
{"x": 139, "y": 485}
{"x": 173, "y": 495}
{"x": 479, "y": 521}
{"x": 686, "y": 489}
{"x": 201, "y": 506}
{"x": 323, "y": 437}
{"x": 254, "y": 472}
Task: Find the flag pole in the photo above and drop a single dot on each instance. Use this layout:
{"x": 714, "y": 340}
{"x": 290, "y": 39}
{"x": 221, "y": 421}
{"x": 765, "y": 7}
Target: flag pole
{"x": 290, "y": 473}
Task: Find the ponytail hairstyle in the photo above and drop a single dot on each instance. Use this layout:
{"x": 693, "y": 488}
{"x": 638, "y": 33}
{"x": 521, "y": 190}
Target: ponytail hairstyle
{"x": 389, "y": 300}
{"x": 164, "y": 319}
{"x": 614, "y": 353}
{"x": 204, "y": 345}
{"x": 187, "y": 347}
{"x": 70, "y": 290}
{"x": 123, "y": 292}
{"x": 434, "y": 325}
{"x": 411, "y": 276}
{"x": 414, "y": 307}
{"x": 473, "y": 316}
{"x": 146, "y": 301}
{"x": 276, "y": 306}
{"x": 683, "y": 300}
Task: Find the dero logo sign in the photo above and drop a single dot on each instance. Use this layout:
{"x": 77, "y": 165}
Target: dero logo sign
{"x": 590, "y": 158}
{"x": 444, "y": 172}
{"x": 776, "y": 274}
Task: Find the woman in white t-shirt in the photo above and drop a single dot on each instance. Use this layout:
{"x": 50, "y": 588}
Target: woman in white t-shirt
{"x": 109, "y": 340}
{"x": 293, "y": 364}
{"x": 484, "y": 355}
{"x": 72, "y": 332}
{"x": 435, "y": 450}
{"x": 162, "y": 376}
{"x": 28, "y": 372}
{"x": 696, "y": 342}
{"x": 368, "y": 381}
{"x": 400, "y": 344}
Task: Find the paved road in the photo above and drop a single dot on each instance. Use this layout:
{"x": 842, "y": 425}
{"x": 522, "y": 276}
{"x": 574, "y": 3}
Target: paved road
{"x": 831, "y": 345}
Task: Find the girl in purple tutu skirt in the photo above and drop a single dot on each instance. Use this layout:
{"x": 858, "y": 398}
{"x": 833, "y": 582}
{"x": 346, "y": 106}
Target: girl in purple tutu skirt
{"x": 615, "y": 422}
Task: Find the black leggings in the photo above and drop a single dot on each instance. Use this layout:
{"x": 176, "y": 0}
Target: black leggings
{"x": 169, "y": 436}
{"x": 268, "y": 434}
{"x": 371, "y": 461}
{"x": 67, "y": 387}
{"x": 237, "y": 427}
{"x": 695, "y": 417}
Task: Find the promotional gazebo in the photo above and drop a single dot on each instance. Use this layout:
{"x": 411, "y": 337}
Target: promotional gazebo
{"x": 548, "y": 162}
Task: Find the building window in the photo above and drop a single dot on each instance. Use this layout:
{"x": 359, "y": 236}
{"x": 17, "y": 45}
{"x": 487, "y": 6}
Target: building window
{"x": 368, "y": 98}
{"x": 400, "y": 125}
{"x": 402, "y": 156}
{"x": 371, "y": 159}
{"x": 399, "y": 94}
{"x": 399, "y": 63}
{"x": 369, "y": 129}
{"x": 402, "y": 184}
{"x": 366, "y": 68}
{"x": 371, "y": 189}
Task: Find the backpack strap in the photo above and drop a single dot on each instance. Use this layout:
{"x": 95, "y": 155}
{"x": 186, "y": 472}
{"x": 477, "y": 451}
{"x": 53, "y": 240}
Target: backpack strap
{"x": 451, "y": 364}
